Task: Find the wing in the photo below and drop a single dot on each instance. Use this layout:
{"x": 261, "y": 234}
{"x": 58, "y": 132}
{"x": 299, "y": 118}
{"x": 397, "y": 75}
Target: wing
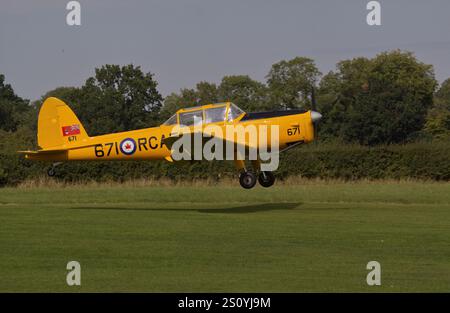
{"x": 238, "y": 146}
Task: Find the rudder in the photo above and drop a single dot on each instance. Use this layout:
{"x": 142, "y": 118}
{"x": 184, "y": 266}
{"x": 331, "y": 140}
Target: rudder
{"x": 58, "y": 126}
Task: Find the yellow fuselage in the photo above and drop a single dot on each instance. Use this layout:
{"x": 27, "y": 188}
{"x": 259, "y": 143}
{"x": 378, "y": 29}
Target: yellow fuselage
{"x": 149, "y": 142}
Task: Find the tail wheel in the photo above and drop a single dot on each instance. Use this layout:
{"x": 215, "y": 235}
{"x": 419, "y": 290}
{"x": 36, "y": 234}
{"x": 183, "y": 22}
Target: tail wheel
{"x": 266, "y": 179}
{"x": 247, "y": 180}
{"x": 51, "y": 172}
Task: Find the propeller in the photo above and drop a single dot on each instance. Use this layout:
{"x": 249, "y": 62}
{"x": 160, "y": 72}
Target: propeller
{"x": 315, "y": 116}
{"x": 313, "y": 98}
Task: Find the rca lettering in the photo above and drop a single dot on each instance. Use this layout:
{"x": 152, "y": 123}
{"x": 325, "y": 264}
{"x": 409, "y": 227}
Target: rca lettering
{"x": 143, "y": 143}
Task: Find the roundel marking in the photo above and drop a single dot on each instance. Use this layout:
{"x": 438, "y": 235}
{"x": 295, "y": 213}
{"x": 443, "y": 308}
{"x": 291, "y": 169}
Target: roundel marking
{"x": 128, "y": 146}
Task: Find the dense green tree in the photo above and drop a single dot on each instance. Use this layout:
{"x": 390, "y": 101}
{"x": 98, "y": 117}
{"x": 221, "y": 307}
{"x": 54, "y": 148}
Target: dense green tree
{"x": 248, "y": 94}
{"x": 206, "y": 93}
{"x": 118, "y": 99}
{"x": 13, "y": 109}
{"x": 438, "y": 119}
{"x": 175, "y": 101}
{"x": 115, "y": 99}
{"x": 443, "y": 94}
{"x": 333, "y": 112}
{"x": 290, "y": 83}
{"x": 379, "y": 100}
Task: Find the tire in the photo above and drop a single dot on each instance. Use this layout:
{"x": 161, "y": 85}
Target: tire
{"x": 266, "y": 179}
{"x": 247, "y": 180}
{"x": 51, "y": 172}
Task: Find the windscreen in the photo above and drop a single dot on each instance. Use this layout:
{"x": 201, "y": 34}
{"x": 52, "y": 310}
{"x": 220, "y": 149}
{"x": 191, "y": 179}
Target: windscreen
{"x": 171, "y": 121}
{"x": 234, "y": 112}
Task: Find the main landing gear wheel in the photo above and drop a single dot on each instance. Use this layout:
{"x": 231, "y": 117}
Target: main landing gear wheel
{"x": 266, "y": 179}
{"x": 247, "y": 180}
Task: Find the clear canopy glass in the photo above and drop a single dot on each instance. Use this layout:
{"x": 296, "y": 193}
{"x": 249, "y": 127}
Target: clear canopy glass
{"x": 234, "y": 112}
{"x": 191, "y": 118}
{"x": 214, "y": 115}
{"x": 200, "y": 115}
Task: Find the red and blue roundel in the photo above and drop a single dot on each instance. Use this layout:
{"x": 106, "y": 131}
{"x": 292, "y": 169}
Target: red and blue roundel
{"x": 128, "y": 146}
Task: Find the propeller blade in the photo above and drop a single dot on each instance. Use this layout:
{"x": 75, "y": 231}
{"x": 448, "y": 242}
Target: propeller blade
{"x": 315, "y": 116}
{"x": 313, "y": 98}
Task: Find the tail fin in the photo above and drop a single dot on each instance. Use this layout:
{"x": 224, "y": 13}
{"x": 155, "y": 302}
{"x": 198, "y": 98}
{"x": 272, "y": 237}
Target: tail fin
{"x": 58, "y": 126}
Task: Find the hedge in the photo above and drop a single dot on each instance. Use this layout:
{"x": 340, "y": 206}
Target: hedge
{"x": 423, "y": 161}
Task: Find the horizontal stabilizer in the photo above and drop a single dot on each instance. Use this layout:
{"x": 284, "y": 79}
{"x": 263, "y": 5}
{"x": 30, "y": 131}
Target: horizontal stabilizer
{"x": 41, "y": 151}
{"x": 57, "y": 150}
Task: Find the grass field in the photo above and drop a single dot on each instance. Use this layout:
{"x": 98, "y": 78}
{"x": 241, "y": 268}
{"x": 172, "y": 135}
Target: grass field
{"x": 313, "y": 237}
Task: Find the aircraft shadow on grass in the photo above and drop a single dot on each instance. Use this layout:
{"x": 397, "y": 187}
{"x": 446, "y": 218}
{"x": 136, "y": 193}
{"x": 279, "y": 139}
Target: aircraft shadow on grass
{"x": 254, "y": 208}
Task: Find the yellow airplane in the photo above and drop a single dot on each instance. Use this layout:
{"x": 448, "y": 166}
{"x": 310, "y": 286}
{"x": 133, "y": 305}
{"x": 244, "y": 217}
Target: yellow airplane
{"x": 61, "y": 136}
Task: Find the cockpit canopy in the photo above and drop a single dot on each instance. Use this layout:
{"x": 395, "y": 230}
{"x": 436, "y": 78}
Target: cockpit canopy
{"x": 211, "y": 113}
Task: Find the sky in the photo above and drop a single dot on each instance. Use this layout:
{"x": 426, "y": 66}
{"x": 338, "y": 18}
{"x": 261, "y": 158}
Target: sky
{"x": 183, "y": 42}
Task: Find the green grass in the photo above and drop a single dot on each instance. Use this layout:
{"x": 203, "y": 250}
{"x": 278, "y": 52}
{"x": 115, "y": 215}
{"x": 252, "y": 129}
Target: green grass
{"x": 313, "y": 237}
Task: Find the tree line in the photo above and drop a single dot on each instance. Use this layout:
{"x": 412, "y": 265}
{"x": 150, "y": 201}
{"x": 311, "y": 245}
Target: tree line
{"x": 392, "y": 98}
